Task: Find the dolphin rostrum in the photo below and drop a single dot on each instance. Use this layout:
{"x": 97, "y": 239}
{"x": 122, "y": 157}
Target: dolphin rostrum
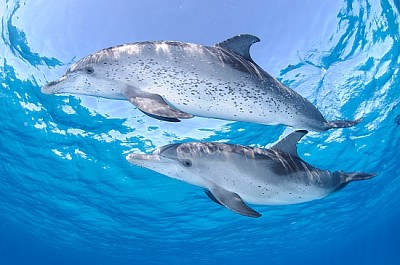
{"x": 232, "y": 174}
{"x": 171, "y": 80}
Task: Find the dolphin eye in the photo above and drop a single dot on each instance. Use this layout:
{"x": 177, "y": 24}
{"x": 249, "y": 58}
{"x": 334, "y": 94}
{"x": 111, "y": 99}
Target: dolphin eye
{"x": 187, "y": 163}
{"x": 89, "y": 70}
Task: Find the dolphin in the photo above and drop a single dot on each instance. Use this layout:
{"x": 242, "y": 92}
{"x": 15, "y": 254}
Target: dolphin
{"x": 170, "y": 80}
{"x": 231, "y": 174}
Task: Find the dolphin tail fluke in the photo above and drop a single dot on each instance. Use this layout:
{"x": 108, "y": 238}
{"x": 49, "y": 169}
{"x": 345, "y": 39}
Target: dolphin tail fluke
{"x": 341, "y": 124}
{"x": 355, "y": 176}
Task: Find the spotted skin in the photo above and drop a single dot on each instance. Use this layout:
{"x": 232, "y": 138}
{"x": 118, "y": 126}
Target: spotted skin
{"x": 213, "y": 82}
{"x": 276, "y": 176}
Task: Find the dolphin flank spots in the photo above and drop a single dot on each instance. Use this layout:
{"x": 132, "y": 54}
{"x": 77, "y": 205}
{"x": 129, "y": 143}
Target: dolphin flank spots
{"x": 233, "y": 174}
{"x": 171, "y": 80}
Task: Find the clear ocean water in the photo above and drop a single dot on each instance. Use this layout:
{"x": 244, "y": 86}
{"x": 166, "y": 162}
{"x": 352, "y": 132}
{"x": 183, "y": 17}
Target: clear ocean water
{"x": 68, "y": 196}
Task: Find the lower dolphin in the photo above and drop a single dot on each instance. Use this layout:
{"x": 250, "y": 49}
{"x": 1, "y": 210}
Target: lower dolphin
{"x": 232, "y": 174}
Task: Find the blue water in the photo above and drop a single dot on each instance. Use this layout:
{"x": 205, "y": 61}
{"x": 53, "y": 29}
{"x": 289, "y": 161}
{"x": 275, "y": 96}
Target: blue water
{"x": 68, "y": 196}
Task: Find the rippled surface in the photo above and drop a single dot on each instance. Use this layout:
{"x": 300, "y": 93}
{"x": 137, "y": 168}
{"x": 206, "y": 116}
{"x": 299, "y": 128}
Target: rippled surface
{"x": 68, "y": 196}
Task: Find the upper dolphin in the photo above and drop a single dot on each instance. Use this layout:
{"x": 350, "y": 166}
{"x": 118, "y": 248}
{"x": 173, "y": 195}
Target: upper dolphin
{"x": 172, "y": 80}
{"x": 234, "y": 174}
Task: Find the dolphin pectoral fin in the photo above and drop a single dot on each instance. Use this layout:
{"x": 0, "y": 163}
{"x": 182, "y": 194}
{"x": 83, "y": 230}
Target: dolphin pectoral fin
{"x": 160, "y": 117}
{"x": 154, "y": 105}
{"x": 211, "y": 196}
{"x": 341, "y": 124}
{"x": 232, "y": 201}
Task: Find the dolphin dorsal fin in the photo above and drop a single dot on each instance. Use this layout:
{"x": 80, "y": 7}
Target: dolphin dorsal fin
{"x": 239, "y": 44}
{"x": 288, "y": 144}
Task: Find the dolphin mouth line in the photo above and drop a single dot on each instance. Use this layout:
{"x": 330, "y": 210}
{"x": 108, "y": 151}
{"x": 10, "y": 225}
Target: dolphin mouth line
{"x": 49, "y": 87}
{"x": 55, "y": 82}
{"x": 138, "y": 157}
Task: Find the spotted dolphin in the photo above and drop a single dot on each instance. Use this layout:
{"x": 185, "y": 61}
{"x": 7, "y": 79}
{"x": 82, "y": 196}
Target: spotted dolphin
{"x": 171, "y": 80}
{"x": 232, "y": 174}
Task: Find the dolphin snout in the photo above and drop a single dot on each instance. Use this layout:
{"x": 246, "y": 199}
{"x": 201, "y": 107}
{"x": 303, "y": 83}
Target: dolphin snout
{"x": 46, "y": 89}
{"x": 52, "y": 87}
{"x": 153, "y": 161}
{"x": 139, "y": 159}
